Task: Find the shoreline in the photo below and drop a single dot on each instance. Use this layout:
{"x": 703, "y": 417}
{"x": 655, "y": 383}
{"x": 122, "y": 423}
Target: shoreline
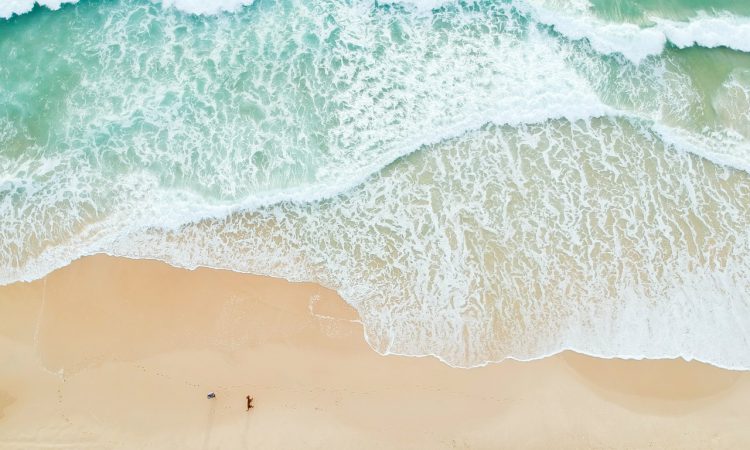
{"x": 566, "y": 349}
{"x": 120, "y": 353}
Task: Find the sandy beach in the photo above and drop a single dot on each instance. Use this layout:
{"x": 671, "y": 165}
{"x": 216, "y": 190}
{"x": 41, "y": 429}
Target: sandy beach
{"x": 117, "y": 353}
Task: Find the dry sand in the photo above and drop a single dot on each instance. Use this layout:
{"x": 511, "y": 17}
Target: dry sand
{"x": 116, "y": 353}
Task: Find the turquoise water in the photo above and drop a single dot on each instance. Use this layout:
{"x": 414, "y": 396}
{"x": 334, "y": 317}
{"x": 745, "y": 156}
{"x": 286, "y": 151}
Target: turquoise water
{"x": 480, "y": 180}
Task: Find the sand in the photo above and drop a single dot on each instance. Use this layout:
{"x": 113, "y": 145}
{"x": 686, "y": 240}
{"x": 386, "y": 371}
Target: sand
{"x": 117, "y": 353}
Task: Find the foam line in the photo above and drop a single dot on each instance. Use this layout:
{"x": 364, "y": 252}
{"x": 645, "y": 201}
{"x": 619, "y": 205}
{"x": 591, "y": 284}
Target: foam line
{"x": 9, "y": 8}
{"x": 636, "y": 42}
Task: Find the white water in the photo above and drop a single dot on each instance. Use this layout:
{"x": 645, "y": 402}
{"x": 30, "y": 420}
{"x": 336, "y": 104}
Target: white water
{"x": 635, "y": 42}
{"x": 9, "y": 8}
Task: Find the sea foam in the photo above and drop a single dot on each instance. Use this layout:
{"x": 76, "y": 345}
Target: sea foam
{"x": 9, "y": 8}
{"x": 572, "y": 19}
{"x": 637, "y": 42}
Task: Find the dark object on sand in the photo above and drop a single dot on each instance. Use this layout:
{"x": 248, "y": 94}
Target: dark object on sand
{"x": 211, "y": 395}
{"x": 249, "y": 402}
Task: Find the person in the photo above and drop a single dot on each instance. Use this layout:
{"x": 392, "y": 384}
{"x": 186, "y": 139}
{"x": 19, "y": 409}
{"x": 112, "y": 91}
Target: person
{"x": 249, "y": 402}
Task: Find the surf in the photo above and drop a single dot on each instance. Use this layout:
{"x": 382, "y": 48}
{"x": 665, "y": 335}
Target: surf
{"x": 637, "y": 42}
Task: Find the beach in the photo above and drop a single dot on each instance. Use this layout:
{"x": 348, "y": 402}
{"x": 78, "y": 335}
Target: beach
{"x": 396, "y": 224}
{"x": 117, "y": 353}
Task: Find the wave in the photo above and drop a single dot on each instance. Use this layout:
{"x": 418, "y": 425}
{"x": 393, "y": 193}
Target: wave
{"x": 571, "y": 18}
{"x": 9, "y": 8}
{"x": 16, "y": 7}
{"x": 636, "y": 42}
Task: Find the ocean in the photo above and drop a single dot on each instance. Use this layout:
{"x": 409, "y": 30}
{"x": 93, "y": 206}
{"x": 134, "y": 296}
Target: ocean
{"x": 480, "y": 180}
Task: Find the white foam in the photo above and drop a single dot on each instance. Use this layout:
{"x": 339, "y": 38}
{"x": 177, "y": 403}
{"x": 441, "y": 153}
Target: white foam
{"x": 572, "y": 19}
{"x": 725, "y": 146}
{"x": 422, "y": 6}
{"x": 708, "y": 31}
{"x": 637, "y": 43}
{"x": 9, "y": 8}
{"x": 206, "y": 7}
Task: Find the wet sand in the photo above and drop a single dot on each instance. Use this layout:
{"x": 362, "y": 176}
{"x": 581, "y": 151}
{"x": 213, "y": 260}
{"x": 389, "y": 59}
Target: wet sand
{"x": 117, "y": 353}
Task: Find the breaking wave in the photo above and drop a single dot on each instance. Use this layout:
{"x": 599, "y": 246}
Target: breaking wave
{"x": 638, "y": 41}
{"x": 10, "y": 8}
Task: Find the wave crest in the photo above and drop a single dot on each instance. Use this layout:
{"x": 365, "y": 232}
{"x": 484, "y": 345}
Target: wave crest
{"x": 635, "y": 42}
{"x": 9, "y": 8}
